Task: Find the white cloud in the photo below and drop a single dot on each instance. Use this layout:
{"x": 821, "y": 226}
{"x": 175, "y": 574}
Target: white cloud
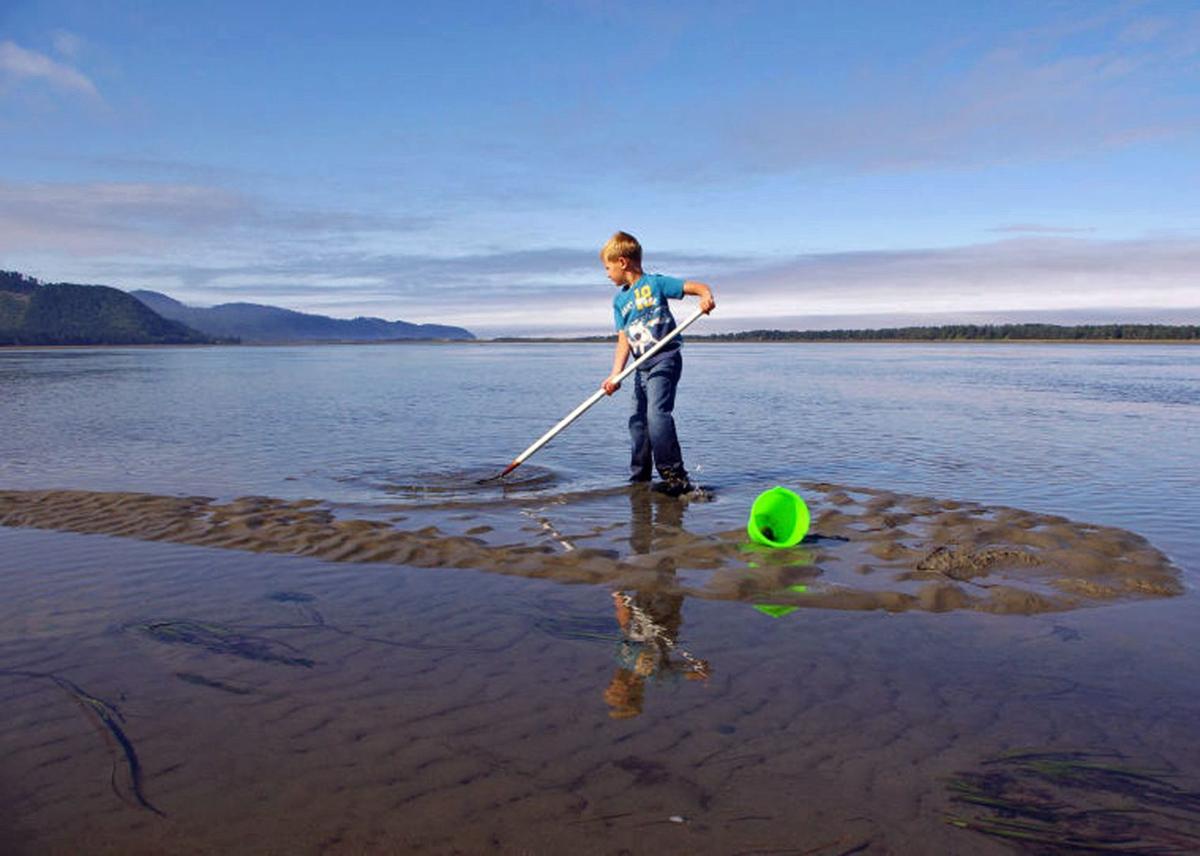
{"x": 1064, "y": 279}
{"x": 103, "y": 218}
{"x": 1026, "y": 274}
{"x": 19, "y": 65}
{"x": 67, "y": 44}
{"x": 206, "y": 244}
{"x": 1041, "y": 228}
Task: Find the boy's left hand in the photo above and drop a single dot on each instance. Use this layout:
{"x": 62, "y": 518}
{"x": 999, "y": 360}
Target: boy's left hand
{"x": 707, "y": 304}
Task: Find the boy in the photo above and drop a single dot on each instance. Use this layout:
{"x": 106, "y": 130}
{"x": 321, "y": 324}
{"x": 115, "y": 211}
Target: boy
{"x": 642, "y": 318}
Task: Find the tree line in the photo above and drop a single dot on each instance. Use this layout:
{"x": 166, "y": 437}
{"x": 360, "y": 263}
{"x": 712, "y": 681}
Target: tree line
{"x": 974, "y": 332}
{"x": 65, "y": 314}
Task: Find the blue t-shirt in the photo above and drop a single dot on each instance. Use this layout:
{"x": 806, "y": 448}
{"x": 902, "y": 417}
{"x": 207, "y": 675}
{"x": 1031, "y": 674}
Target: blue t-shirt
{"x": 641, "y": 311}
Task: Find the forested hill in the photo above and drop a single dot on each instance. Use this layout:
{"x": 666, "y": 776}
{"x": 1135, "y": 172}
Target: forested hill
{"x": 975, "y": 333}
{"x": 252, "y": 322}
{"x": 33, "y": 313}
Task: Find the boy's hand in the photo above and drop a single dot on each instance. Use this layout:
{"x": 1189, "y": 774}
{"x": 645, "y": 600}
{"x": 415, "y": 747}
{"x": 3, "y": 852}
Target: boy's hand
{"x": 610, "y": 386}
{"x": 707, "y": 304}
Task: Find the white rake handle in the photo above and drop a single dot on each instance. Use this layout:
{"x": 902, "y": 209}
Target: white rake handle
{"x": 596, "y": 396}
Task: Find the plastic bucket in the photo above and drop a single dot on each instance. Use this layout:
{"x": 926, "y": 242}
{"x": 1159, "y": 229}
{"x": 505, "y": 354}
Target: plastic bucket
{"x": 778, "y": 518}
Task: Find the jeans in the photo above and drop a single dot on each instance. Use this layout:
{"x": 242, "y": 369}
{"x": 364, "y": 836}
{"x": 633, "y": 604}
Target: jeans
{"x": 652, "y": 427}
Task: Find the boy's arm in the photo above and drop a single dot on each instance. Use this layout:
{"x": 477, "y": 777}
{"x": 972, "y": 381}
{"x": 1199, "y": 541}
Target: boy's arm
{"x": 707, "y": 304}
{"x": 620, "y": 355}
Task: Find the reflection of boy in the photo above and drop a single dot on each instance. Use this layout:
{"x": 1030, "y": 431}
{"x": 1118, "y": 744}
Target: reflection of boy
{"x": 643, "y": 318}
{"x": 650, "y": 625}
{"x": 651, "y": 513}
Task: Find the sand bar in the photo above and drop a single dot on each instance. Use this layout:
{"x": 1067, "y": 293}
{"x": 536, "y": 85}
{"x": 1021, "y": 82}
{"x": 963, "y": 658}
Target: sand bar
{"x": 867, "y": 549}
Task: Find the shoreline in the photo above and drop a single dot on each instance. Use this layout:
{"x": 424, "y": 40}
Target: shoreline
{"x": 704, "y": 340}
{"x": 694, "y": 340}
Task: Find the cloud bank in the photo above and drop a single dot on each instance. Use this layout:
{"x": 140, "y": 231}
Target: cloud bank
{"x": 206, "y": 244}
{"x": 113, "y": 219}
{"x": 1043, "y": 275}
{"x": 19, "y": 65}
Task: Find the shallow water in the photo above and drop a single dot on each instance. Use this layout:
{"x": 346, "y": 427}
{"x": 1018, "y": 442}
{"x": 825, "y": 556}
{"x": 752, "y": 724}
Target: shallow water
{"x": 1095, "y": 432}
{"x": 448, "y": 709}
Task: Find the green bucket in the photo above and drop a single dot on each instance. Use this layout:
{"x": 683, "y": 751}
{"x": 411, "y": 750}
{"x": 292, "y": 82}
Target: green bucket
{"x": 778, "y": 518}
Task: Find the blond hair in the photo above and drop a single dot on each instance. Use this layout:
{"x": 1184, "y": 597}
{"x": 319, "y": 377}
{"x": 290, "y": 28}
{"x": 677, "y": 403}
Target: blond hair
{"x": 622, "y": 245}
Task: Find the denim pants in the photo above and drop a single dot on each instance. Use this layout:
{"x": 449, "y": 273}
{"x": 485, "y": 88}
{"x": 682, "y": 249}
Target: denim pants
{"x": 652, "y": 427}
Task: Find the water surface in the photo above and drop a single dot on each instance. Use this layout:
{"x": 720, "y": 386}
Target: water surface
{"x": 442, "y": 709}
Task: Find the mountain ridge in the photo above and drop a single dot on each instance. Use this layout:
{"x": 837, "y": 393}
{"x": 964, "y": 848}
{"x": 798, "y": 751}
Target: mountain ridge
{"x": 261, "y": 323}
{"x": 65, "y": 313}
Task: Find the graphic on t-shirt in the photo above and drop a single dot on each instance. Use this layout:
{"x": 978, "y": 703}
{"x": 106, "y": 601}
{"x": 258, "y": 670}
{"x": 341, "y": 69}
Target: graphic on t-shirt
{"x": 640, "y": 336}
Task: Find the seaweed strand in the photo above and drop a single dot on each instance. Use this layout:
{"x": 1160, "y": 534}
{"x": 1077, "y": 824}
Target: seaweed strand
{"x": 110, "y": 718}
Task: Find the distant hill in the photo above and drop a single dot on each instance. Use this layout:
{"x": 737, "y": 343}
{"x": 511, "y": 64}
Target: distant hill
{"x": 252, "y": 322}
{"x": 34, "y": 313}
{"x": 975, "y": 333}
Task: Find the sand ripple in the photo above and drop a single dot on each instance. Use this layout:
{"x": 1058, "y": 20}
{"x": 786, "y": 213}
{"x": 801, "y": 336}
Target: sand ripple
{"x": 868, "y": 549}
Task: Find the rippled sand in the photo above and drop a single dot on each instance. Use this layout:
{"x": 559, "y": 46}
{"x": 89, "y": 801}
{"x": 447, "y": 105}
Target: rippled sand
{"x": 868, "y": 549}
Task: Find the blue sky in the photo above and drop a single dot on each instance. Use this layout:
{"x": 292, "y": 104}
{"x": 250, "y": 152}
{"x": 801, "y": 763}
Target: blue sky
{"x": 819, "y": 163}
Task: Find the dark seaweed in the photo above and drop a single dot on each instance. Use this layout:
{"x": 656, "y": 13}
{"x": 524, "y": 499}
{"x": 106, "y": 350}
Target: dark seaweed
{"x": 291, "y": 597}
{"x": 110, "y": 719}
{"x": 1070, "y": 802}
{"x": 220, "y": 639}
{"x": 202, "y": 681}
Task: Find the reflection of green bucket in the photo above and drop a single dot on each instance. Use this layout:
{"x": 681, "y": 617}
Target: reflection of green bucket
{"x": 778, "y": 518}
{"x": 775, "y": 610}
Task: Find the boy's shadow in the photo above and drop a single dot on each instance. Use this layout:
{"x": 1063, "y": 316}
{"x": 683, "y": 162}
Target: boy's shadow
{"x": 650, "y": 618}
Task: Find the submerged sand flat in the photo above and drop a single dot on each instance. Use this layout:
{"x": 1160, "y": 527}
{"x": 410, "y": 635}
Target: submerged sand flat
{"x": 867, "y": 549}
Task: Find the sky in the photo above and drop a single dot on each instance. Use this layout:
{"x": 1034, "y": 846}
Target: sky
{"x": 820, "y": 164}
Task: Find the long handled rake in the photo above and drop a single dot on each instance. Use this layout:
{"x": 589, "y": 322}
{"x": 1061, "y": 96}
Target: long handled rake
{"x": 592, "y": 399}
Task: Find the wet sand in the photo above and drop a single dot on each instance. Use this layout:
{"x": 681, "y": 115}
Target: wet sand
{"x": 867, "y": 549}
{"x": 299, "y": 676}
{"x": 303, "y": 706}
